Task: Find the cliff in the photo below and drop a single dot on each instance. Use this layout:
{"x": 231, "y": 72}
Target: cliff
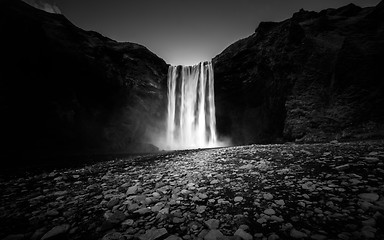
{"x": 313, "y": 77}
{"x": 66, "y": 91}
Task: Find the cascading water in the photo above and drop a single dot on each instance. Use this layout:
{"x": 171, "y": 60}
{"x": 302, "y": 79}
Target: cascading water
{"x": 191, "y": 119}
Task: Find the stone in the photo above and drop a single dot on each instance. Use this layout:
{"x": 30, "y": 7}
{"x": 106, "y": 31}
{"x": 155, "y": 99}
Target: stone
{"x": 128, "y": 222}
{"x": 269, "y": 211}
{"x": 238, "y": 199}
{"x": 178, "y": 220}
{"x": 342, "y": 167}
{"x": 173, "y": 237}
{"x": 243, "y": 234}
{"x": 143, "y": 211}
{"x": 132, "y": 190}
{"x": 116, "y": 217}
{"x": 318, "y": 237}
{"x": 214, "y": 182}
{"x": 113, "y": 202}
{"x": 212, "y": 223}
{"x": 297, "y": 234}
{"x": 56, "y": 231}
{"x": 273, "y": 236}
{"x": 213, "y": 234}
{"x": 200, "y": 209}
{"x": 14, "y": 237}
{"x": 280, "y": 202}
{"x": 113, "y": 236}
{"x": 370, "y": 197}
{"x": 153, "y": 234}
{"x": 267, "y": 196}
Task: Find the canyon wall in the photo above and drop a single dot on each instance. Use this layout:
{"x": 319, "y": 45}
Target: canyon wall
{"x": 66, "y": 91}
{"x": 314, "y": 77}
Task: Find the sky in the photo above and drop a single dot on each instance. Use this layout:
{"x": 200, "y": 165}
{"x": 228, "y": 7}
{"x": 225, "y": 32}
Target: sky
{"x": 183, "y": 32}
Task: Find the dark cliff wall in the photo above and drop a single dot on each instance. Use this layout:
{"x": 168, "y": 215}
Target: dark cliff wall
{"x": 314, "y": 77}
{"x": 69, "y": 91}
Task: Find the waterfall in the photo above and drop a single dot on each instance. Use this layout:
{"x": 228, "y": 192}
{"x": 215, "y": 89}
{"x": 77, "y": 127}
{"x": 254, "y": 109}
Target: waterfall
{"x": 191, "y": 121}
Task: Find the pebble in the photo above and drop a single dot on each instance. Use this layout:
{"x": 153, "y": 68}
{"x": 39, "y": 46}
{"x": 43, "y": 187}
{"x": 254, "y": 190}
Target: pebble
{"x": 238, "y": 199}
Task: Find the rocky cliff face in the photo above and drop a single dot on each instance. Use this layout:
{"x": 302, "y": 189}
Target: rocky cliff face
{"x": 314, "y": 77}
{"x": 66, "y": 90}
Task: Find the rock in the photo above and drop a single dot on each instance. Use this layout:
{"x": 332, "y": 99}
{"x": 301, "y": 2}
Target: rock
{"x": 178, "y": 220}
{"x": 52, "y": 212}
{"x": 342, "y": 167}
{"x": 116, "y": 217}
{"x": 280, "y": 202}
{"x": 243, "y": 234}
{"x": 244, "y": 227}
{"x": 238, "y": 199}
{"x": 132, "y": 190}
{"x": 38, "y": 234}
{"x": 213, "y": 234}
{"x": 173, "y": 237}
{"x": 248, "y": 166}
{"x": 202, "y": 195}
{"x": 267, "y": 196}
{"x": 369, "y": 222}
{"x": 297, "y": 234}
{"x": 143, "y": 211}
{"x": 214, "y": 182}
{"x": 273, "y": 236}
{"x": 113, "y": 202}
{"x": 153, "y": 234}
{"x": 318, "y": 237}
{"x": 113, "y": 236}
{"x": 212, "y": 223}
{"x": 200, "y": 209}
{"x": 370, "y": 197}
{"x": 128, "y": 222}
{"x": 14, "y": 237}
{"x": 56, "y": 231}
{"x": 269, "y": 211}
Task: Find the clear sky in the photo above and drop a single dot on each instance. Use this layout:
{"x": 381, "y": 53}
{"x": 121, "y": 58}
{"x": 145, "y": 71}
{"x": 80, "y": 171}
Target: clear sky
{"x": 184, "y": 31}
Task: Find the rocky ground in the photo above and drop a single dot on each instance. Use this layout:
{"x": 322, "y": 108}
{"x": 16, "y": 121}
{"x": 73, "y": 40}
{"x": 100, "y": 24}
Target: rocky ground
{"x": 290, "y": 191}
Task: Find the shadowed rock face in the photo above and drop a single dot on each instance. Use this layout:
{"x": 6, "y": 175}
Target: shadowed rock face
{"x": 314, "y": 77}
{"x": 66, "y": 90}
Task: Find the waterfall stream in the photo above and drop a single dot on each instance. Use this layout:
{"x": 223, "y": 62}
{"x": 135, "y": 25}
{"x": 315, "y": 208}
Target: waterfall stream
{"x": 191, "y": 121}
